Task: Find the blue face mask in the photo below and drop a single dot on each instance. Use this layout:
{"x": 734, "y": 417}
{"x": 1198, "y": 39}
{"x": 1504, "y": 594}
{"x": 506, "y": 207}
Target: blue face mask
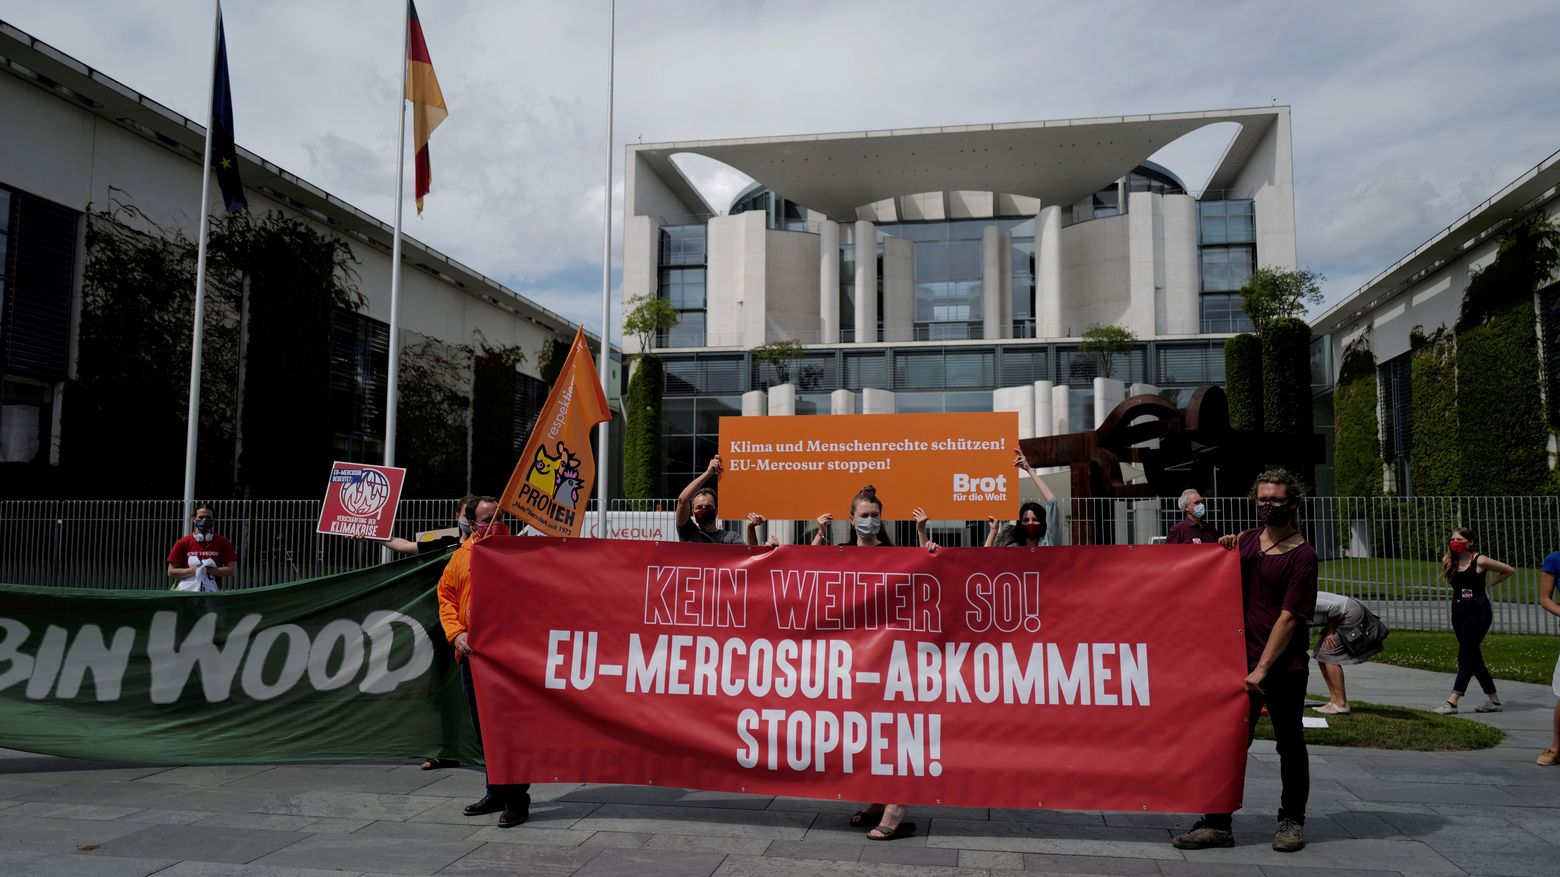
{"x": 1199, "y": 511}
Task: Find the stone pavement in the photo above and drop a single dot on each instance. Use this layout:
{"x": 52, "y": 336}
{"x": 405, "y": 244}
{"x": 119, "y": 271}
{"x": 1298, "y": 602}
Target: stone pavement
{"x": 1371, "y": 813}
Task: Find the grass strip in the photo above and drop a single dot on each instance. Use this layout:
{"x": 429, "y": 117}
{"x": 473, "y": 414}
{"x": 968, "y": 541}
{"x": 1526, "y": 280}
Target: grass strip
{"x": 1377, "y": 726}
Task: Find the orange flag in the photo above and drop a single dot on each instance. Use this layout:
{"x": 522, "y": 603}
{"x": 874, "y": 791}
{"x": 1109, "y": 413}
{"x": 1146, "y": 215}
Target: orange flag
{"x": 422, "y": 89}
{"x": 552, "y": 482}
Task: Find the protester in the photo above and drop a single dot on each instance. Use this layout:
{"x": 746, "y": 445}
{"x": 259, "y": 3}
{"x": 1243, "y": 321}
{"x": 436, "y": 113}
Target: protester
{"x": 1464, "y": 569}
{"x": 1036, "y": 524}
{"x": 446, "y": 542}
{"x": 1353, "y": 634}
{"x": 1278, "y": 593}
{"x": 754, "y": 521}
{"x": 697, "y": 520}
{"x": 1547, "y": 599}
{"x": 454, "y": 615}
{"x": 1193, "y": 528}
{"x": 202, "y": 556}
{"x": 866, "y": 521}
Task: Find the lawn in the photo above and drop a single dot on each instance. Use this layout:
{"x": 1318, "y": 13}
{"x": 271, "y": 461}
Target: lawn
{"x": 1388, "y": 578}
{"x": 1376, "y": 726}
{"x": 1515, "y": 656}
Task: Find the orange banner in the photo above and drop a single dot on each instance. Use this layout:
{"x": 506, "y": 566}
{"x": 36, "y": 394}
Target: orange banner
{"x": 956, "y": 466}
{"x": 551, "y": 484}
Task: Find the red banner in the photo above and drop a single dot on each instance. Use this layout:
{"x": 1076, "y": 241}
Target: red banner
{"x": 1097, "y": 678}
{"x": 361, "y": 500}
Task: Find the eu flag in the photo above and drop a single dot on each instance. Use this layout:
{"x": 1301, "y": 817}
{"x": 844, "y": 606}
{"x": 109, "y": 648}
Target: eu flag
{"x": 224, "y": 155}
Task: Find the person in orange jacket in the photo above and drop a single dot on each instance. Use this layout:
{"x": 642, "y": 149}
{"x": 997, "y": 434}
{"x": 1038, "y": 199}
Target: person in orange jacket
{"x": 514, "y": 800}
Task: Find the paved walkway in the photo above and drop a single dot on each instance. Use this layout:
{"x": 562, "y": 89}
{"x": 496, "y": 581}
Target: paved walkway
{"x": 1371, "y": 812}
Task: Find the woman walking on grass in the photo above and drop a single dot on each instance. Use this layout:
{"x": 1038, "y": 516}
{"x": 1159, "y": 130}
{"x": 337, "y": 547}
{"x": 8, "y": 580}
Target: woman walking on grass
{"x": 1465, "y": 569}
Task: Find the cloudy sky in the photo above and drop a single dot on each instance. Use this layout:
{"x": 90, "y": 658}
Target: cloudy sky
{"x": 1406, "y": 114}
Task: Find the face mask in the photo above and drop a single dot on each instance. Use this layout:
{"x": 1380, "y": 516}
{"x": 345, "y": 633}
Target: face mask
{"x": 1458, "y": 546}
{"x": 704, "y": 514}
{"x": 1199, "y": 511}
{"x": 1031, "y": 531}
{"x": 464, "y": 523}
{"x": 867, "y": 525}
{"x": 1275, "y": 515}
{"x": 203, "y": 525}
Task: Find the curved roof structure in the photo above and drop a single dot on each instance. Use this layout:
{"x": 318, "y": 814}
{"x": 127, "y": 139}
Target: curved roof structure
{"x": 1058, "y": 162}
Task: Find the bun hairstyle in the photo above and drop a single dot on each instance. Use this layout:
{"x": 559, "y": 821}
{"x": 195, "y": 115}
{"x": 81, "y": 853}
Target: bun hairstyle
{"x": 1448, "y": 562}
{"x": 865, "y": 494}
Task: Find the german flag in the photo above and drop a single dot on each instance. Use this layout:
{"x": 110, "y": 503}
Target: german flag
{"x": 422, "y": 89}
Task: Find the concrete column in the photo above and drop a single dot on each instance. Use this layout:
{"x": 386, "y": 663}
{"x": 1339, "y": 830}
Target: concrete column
{"x": 1048, "y": 273}
{"x": 1108, "y": 393}
{"x": 1061, "y": 416}
{"x": 1006, "y": 282}
{"x": 1020, "y": 399}
{"x": 875, "y": 401}
{"x": 866, "y": 281}
{"x": 755, "y": 403}
{"x": 842, "y": 402}
{"x": 782, "y": 400}
{"x": 898, "y": 289}
{"x": 1045, "y": 408}
{"x": 829, "y": 282}
{"x": 991, "y": 282}
{"x": 1144, "y": 239}
{"x": 1142, "y": 389}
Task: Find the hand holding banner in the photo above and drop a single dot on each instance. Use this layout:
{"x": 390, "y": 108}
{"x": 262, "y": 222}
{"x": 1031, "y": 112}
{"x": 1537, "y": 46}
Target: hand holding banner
{"x": 551, "y": 484}
{"x": 1096, "y": 677}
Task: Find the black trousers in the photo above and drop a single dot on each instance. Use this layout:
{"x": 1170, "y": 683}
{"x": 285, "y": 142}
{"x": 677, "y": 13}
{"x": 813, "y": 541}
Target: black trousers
{"x": 513, "y": 795}
{"x": 1471, "y": 620}
{"x": 1284, "y": 695}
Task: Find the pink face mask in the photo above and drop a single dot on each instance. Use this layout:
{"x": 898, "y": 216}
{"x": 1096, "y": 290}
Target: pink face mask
{"x": 1458, "y": 545}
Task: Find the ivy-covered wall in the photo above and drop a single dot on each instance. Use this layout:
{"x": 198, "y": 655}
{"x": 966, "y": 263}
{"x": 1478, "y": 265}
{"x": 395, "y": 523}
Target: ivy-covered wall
{"x": 495, "y": 386}
{"x": 1286, "y": 387}
{"x": 433, "y": 417}
{"x": 1435, "y": 460}
{"x": 1357, "y": 432}
{"x": 1243, "y": 381}
{"x": 642, "y": 461}
{"x": 1502, "y": 429}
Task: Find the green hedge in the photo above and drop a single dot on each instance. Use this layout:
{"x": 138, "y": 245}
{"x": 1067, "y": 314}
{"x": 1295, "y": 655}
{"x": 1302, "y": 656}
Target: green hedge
{"x": 1286, "y": 387}
{"x": 1357, "y": 436}
{"x": 1503, "y": 437}
{"x": 1435, "y": 460}
{"x": 642, "y": 456}
{"x": 1243, "y": 381}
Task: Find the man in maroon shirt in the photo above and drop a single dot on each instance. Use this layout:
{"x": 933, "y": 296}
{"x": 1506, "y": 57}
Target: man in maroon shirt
{"x": 198, "y": 559}
{"x": 1278, "y": 592}
{"x": 1193, "y": 528}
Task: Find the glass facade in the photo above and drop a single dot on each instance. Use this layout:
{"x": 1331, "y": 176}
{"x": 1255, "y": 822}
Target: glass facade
{"x": 37, "y": 291}
{"x": 683, "y": 253}
{"x": 1227, "y": 254}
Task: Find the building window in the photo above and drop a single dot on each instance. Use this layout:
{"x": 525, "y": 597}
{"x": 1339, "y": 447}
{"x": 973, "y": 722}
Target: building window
{"x": 26, "y": 421}
{"x": 810, "y": 372}
{"x": 681, "y": 283}
{"x": 37, "y": 286}
{"x": 1190, "y": 364}
{"x": 847, "y": 293}
{"x": 1074, "y": 367}
{"x": 936, "y": 369}
{"x": 1223, "y": 312}
{"x": 705, "y": 373}
{"x": 359, "y": 375}
{"x": 1227, "y": 222}
{"x": 1024, "y": 365}
{"x": 1395, "y": 384}
{"x": 1226, "y": 268}
{"x": 690, "y": 436}
{"x": 864, "y": 370}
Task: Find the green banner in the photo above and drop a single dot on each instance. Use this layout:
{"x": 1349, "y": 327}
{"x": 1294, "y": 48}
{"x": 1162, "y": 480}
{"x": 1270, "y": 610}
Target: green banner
{"x": 348, "y": 666}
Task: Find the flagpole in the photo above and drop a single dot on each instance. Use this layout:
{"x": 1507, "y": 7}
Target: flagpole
{"x": 393, "y": 374}
{"x": 192, "y": 433}
{"x": 603, "y": 469}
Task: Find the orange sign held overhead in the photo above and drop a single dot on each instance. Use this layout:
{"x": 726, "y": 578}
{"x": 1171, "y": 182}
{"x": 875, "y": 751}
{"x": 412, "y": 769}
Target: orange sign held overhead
{"x": 955, "y": 466}
{"x": 551, "y": 483}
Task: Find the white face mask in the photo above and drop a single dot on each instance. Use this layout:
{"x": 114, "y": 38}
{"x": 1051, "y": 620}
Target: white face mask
{"x": 868, "y": 525}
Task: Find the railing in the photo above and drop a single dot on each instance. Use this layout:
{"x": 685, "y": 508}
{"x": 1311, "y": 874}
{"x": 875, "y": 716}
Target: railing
{"x": 1385, "y": 551}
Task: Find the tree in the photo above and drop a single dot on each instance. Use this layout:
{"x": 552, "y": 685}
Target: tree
{"x": 647, "y": 317}
{"x": 1243, "y": 381}
{"x": 1274, "y": 293}
{"x": 1107, "y": 342}
{"x": 780, "y": 356}
{"x": 549, "y": 362}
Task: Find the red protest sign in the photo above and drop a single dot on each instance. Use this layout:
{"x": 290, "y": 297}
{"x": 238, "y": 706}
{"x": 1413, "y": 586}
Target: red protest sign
{"x": 360, "y": 500}
{"x": 1097, "y": 677}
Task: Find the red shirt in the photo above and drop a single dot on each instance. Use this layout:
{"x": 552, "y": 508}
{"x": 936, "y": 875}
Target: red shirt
{"x": 218, "y": 549}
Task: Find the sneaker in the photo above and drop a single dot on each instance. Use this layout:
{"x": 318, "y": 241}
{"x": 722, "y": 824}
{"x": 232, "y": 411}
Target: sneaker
{"x": 1289, "y": 838}
{"x": 1447, "y": 708}
{"x": 1203, "y": 836}
{"x": 1549, "y": 756}
{"x": 1489, "y": 706}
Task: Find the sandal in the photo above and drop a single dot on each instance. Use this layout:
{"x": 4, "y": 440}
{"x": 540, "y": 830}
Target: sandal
{"x": 883, "y": 832}
{"x": 439, "y": 763}
{"x": 861, "y": 817}
{"x": 1328, "y": 709}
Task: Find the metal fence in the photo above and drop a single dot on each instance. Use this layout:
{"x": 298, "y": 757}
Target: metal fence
{"x": 1386, "y": 551}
